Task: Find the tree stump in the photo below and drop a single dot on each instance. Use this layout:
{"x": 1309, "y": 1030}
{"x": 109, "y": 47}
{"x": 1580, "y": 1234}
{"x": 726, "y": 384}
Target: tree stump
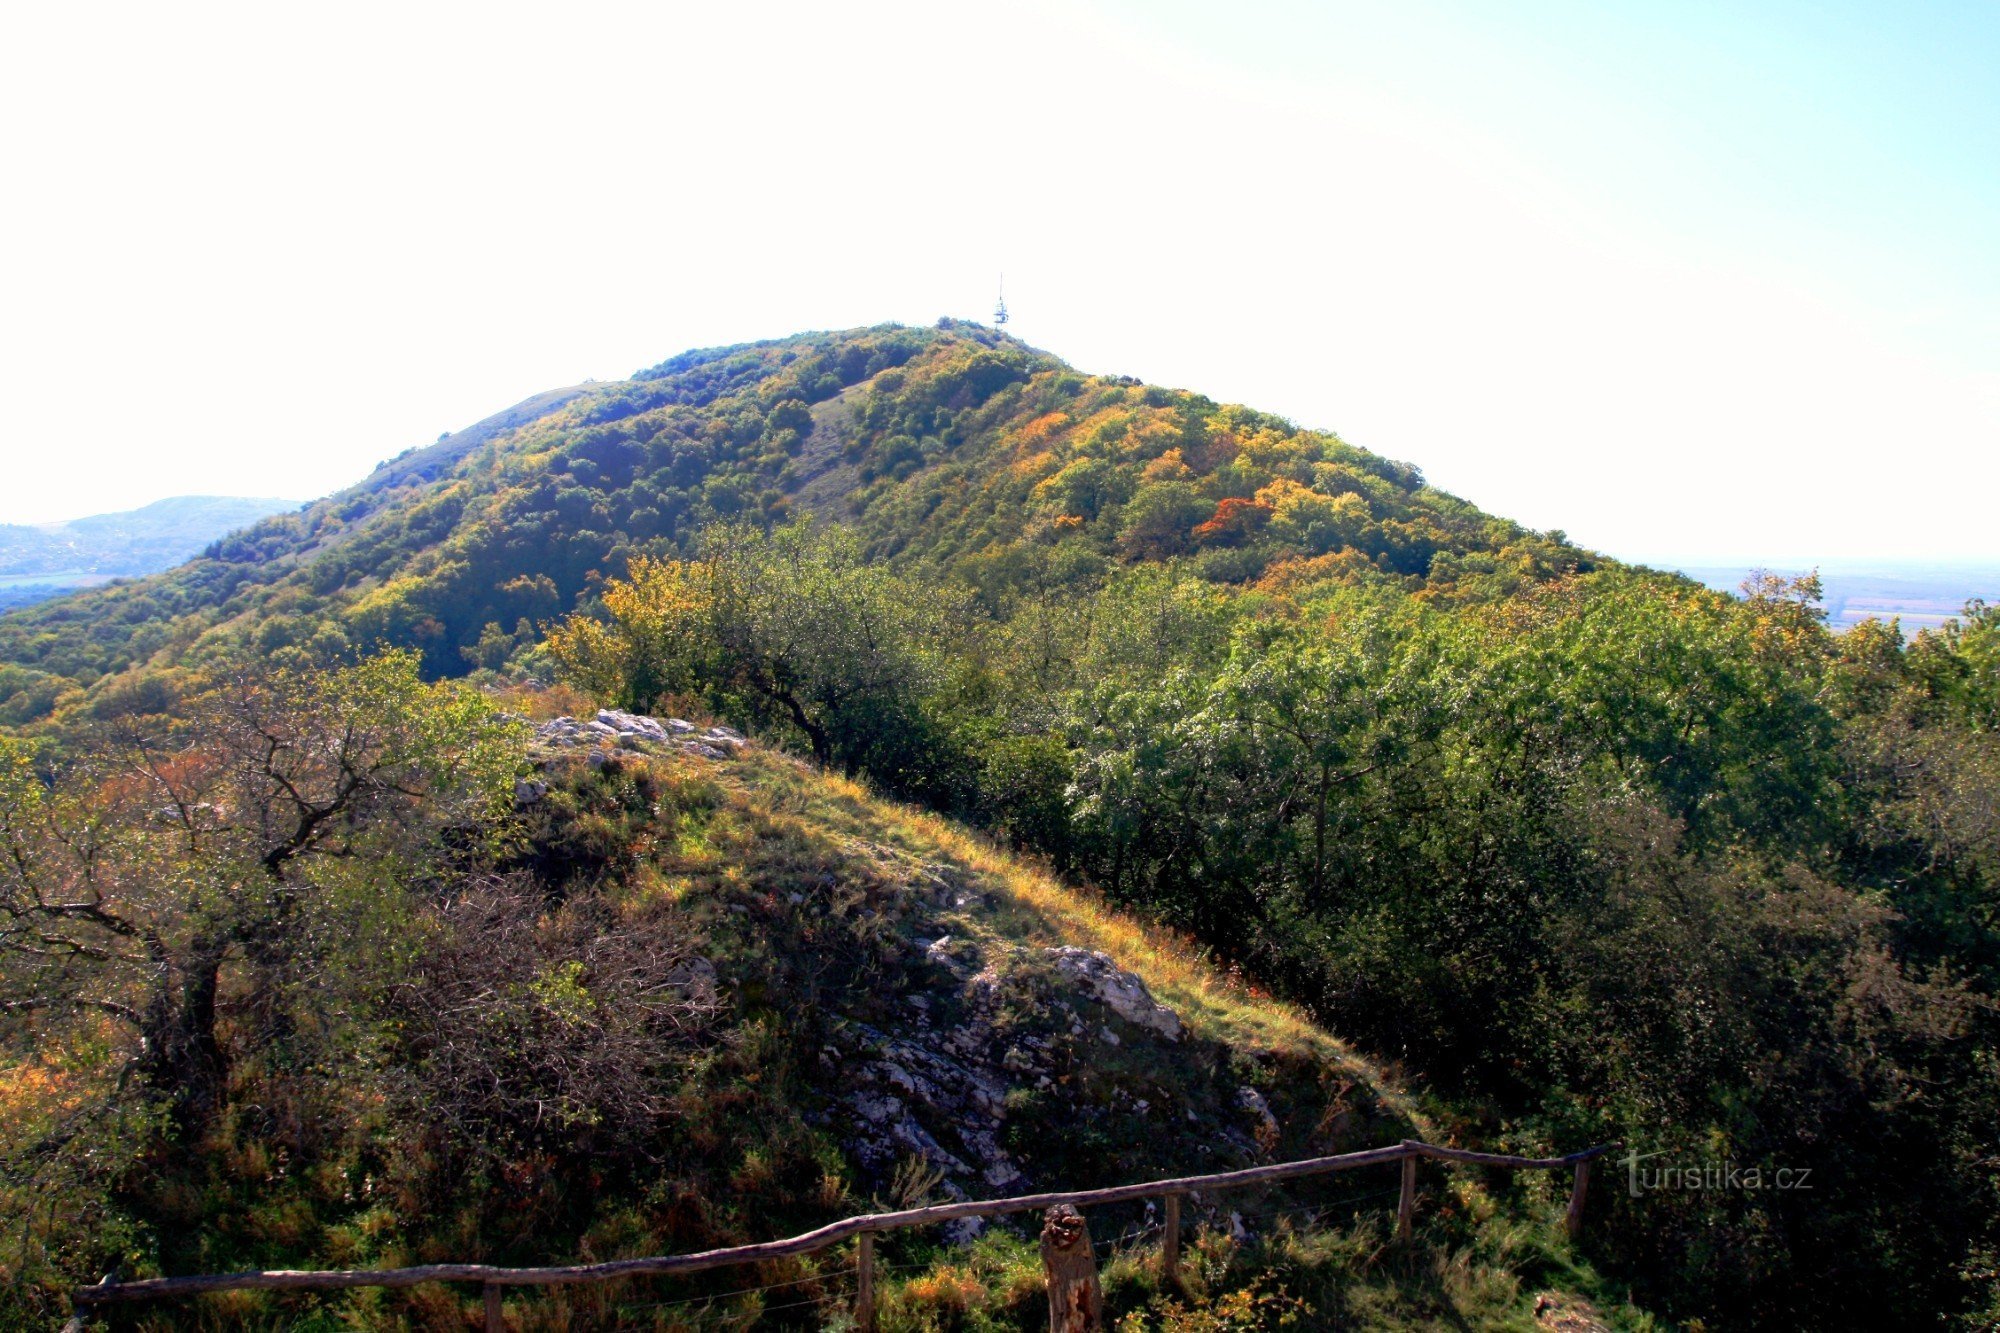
{"x": 1076, "y": 1302}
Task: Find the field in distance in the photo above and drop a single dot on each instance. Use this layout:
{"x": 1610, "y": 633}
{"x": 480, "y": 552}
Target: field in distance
{"x": 1922, "y": 596}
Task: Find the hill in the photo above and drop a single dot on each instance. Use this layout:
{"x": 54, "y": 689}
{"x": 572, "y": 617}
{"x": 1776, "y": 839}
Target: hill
{"x": 950, "y": 448}
{"x": 1919, "y": 596}
{"x": 38, "y": 561}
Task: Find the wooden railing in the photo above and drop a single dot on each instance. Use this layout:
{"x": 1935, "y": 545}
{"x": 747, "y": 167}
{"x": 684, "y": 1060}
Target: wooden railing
{"x": 863, "y": 1229}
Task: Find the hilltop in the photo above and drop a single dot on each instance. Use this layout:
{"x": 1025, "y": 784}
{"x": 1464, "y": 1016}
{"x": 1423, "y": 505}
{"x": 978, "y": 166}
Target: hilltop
{"x": 952, "y": 448}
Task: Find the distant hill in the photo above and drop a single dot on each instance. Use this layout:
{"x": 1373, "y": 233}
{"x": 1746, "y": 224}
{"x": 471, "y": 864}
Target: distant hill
{"x": 40, "y": 560}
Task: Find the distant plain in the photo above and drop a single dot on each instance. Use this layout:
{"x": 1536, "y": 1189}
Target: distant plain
{"x": 1922, "y": 596}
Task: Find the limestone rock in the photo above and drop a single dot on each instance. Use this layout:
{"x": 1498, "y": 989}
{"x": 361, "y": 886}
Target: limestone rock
{"x": 1259, "y": 1110}
{"x": 1121, "y": 991}
{"x": 635, "y": 731}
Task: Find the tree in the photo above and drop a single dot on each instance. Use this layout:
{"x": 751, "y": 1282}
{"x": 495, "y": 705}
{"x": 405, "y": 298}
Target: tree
{"x": 525, "y": 1028}
{"x": 1159, "y": 520}
{"x": 1326, "y": 707}
{"x": 792, "y": 627}
{"x": 175, "y": 859}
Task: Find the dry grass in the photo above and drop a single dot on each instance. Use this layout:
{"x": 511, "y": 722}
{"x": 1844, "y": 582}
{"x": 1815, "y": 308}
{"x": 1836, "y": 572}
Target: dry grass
{"x": 1022, "y": 903}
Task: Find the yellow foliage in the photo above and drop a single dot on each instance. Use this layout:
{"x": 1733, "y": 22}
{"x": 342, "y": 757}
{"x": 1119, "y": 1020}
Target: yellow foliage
{"x": 1034, "y": 465}
{"x": 1294, "y": 575}
{"x": 1043, "y": 428}
{"x": 1307, "y": 518}
{"x": 945, "y": 1288}
{"x": 1270, "y": 451}
{"x": 56, "y": 1081}
{"x": 1158, "y": 430}
{"x": 657, "y": 611}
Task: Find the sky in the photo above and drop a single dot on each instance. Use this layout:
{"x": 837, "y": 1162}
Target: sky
{"x": 1692, "y": 282}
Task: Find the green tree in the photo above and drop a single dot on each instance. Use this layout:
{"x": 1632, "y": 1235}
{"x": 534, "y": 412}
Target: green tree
{"x": 1327, "y": 707}
{"x": 792, "y": 627}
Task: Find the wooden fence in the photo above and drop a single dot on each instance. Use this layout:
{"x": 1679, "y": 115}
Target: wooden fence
{"x": 863, "y": 1229}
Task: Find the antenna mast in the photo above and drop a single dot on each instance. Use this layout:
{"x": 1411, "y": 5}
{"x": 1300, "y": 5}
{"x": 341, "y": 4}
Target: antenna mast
{"x": 1000, "y": 306}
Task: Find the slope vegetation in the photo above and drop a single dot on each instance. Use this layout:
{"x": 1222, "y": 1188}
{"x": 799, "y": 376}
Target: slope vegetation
{"x": 951, "y": 447}
{"x": 1594, "y": 853}
{"x": 704, "y": 994}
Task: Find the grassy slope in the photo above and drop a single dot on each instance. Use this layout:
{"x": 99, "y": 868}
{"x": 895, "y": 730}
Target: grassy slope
{"x": 820, "y": 905}
{"x": 1480, "y": 1260}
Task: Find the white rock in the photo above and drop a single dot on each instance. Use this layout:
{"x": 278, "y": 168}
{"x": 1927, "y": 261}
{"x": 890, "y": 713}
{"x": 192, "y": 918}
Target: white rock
{"x": 1123, "y": 992}
{"x": 1253, "y": 1102}
{"x": 876, "y": 1110}
{"x": 631, "y": 724}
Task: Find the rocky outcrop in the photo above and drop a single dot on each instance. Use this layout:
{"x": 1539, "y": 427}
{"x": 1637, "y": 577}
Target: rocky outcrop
{"x": 1258, "y": 1110}
{"x": 952, "y": 1060}
{"x": 935, "y": 1083}
{"x": 1123, "y": 992}
{"x": 614, "y": 728}
{"x": 598, "y": 739}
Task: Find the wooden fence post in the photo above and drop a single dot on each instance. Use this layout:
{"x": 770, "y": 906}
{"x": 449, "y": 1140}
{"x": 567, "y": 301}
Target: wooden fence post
{"x": 864, "y": 1284}
{"x": 1076, "y": 1302}
{"x": 1406, "y": 1203}
{"x": 494, "y": 1322}
{"x": 1573, "y": 1220}
{"x": 1170, "y": 1239}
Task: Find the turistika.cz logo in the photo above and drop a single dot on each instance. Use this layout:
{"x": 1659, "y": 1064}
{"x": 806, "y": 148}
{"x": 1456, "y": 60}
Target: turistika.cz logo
{"x": 1708, "y": 1176}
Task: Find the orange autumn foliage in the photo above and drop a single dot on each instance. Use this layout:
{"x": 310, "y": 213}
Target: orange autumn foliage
{"x": 1234, "y": 520}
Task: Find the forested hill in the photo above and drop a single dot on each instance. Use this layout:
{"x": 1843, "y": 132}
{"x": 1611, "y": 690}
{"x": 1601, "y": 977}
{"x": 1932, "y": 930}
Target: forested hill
{"x": 955, "y": 447}
{"x": 137, "y": 541}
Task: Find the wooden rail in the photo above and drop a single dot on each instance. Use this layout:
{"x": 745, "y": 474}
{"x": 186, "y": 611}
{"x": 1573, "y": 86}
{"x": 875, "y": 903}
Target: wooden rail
{"x": 865, "y": 1227}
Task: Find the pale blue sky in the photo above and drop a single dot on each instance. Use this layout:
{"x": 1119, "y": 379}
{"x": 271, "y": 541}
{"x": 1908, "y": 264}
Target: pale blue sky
{"x": 1692, "y": 281}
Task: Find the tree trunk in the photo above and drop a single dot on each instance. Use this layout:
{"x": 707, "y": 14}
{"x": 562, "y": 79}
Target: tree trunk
{"x": 822, "y": 744}
{"x": 1573, "y": 1218}
{"x": 186, "y": 1059}
{"x": 1076, "y": 1303}
{"x": 1319, "y": 839}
